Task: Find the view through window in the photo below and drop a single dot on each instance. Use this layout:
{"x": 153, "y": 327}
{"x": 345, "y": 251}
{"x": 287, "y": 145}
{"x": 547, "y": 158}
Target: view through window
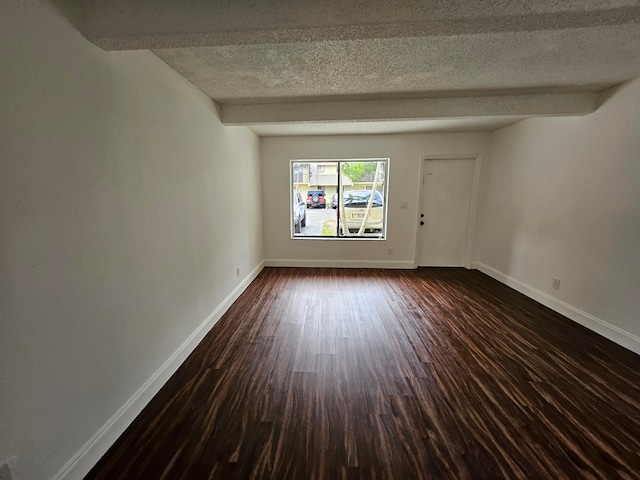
{"x": 339, "y": 198}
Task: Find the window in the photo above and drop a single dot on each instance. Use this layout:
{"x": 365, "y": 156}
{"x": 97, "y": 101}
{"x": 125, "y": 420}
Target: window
{"x": 344, "y": 199}
{"x": 297, "y": 173}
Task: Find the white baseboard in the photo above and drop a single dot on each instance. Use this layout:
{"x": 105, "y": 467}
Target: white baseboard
{"x": 613, "y": 333}
{"x": 391, "y": 264}
{"x": 84, "y": 460}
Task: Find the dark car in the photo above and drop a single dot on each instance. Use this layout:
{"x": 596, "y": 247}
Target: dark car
{"x": 334, "y": 201}
{"x": 315, "y": 199}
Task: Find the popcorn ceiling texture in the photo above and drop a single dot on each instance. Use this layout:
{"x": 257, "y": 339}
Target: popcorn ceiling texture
{"x": 290, "y": 51}
{"x": 418, "y": 65}
{"x": 250, "y": 21}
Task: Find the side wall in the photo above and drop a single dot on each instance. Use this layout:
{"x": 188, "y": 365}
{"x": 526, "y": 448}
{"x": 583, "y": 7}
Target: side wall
{"x": 125, "y": 208}
{"x": 405, "y": 152}
{"x": 561, "y": 199}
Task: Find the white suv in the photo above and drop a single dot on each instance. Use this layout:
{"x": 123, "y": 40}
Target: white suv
{"x": 299, "y": 212}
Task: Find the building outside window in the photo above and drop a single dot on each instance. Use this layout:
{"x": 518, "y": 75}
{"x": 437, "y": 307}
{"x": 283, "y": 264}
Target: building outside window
{"x": 345, "y": 199}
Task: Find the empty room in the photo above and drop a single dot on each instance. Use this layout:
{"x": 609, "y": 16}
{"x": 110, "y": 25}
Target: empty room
{"x": 319, "y": 239}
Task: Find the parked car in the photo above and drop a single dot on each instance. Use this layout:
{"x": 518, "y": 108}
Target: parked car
{"x": 334, "y": 201}
{"x": 355, "y": 207}
{"x": 315, "y": 199}
{"x": 299, "y": 212}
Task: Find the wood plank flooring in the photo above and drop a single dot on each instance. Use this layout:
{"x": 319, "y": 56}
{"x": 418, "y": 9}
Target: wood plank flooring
{"x": 389, "y": 374}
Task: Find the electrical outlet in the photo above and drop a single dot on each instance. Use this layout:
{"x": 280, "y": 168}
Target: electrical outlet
{"x": 390, "y": 251}
{"x": 5, "y": 473}
{"x": 556, "y": 283}
{"x": 237, "y": 271}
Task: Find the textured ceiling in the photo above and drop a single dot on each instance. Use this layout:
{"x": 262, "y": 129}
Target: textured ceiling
{"x": 475, "y": 124}
{"x": 290, "y": 54}
{"x": 577, "y": 58}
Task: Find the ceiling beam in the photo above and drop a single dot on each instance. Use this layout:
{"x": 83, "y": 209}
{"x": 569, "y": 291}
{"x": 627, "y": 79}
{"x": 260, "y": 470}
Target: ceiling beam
{"x": 562, "y": 104}
{"x": 158, "y": 24}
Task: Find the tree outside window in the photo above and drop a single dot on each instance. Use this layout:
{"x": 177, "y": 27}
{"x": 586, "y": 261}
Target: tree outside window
{"x": 343, "y": 198}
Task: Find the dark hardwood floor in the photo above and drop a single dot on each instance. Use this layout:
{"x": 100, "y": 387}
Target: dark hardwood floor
{"x": 389, "y": 374}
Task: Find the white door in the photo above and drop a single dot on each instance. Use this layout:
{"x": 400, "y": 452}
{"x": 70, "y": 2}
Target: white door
{"x": 446, "y": 206}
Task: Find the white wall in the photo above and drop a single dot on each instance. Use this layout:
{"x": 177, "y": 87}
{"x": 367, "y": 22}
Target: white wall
{"x": 125, "y": 207}
{"x": 405, "y": 153}
{"x": 561, "y": 198}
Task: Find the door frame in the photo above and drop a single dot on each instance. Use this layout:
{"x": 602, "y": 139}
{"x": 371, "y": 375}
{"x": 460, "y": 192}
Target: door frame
{"x": 475, "y": 189}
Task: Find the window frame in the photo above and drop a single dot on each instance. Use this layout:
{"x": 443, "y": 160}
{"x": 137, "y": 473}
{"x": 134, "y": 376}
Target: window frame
{"x": 338, "y": 161}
